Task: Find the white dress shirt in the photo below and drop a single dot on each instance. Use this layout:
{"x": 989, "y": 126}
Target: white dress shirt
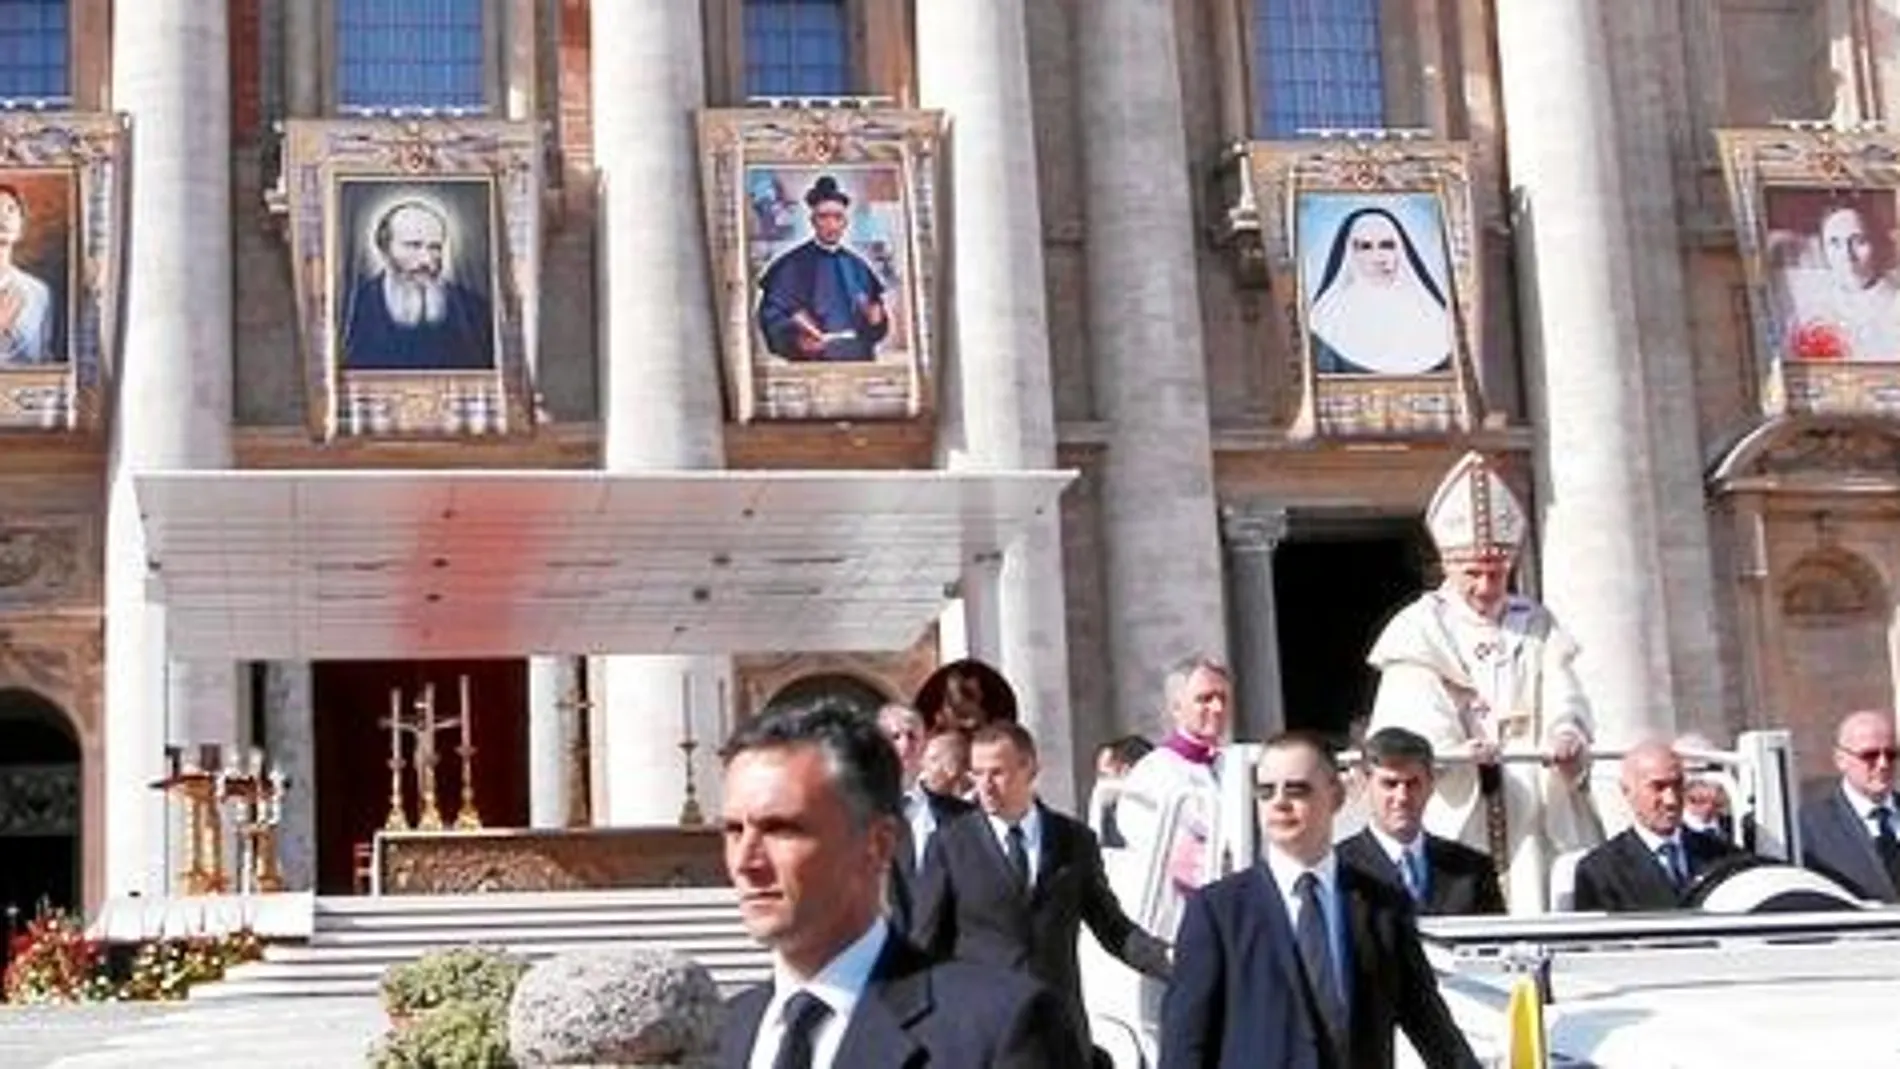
{"x": 1286, "y": 873}
{"x": 1031, "y": 824}
{"x": 922, "y": 819}
{"x": 840, "y": 984}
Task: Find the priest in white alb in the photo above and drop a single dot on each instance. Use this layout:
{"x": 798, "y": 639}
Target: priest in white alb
{"x": 1483, "y": 672}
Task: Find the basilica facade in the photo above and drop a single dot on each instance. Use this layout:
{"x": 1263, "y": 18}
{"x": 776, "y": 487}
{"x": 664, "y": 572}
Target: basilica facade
{"x": 1258, "y": 271}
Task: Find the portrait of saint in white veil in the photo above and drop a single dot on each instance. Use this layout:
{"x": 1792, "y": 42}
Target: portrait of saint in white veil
{"x": 1376, "y": 306}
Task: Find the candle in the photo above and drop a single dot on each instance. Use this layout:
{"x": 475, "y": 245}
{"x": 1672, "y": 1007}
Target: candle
{"x": 257, "y": 761}
{"x": 395, "y": 724}
{"x": 209, "y": 758}
{"x": 725, "y": 713}
{"x": 468, "y": 728}
{"x": 173, "y": 759}
{"x": 686, "y": 707}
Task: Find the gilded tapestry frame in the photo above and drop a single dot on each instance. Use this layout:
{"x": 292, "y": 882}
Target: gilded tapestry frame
{"x": 323, "y": 159}
{"x": 1399, "y": 179}
{"x": 889, "y": 385}
{"x": 86, "y": 154}
{"x": 1803, "y": 359}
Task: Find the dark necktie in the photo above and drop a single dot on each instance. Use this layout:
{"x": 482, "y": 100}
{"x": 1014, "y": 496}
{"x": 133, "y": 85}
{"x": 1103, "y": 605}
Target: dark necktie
{"x": 1885, "y": 843}
{"x": 1415, "y": 879}
{"x": 1316, "y": 951}
{"x": 804, "y": 1013}
{"x": 1019, "y": 856}
{"x": 1671, "y": 854}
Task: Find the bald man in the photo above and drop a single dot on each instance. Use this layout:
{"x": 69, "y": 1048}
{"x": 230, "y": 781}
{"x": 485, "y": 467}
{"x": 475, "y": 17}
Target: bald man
{"x": 1850, "y": 835}
{"x": 1653, "y": 865}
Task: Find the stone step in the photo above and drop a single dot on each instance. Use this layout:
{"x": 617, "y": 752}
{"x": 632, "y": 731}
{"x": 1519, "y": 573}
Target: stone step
{"x": 316, "y": 959}
{"x": 415, "y": 940}
{"x": 718, "y": 964}
{"x": 508, "y": 901}
{"x": 366, "y": 986}
{"x": 724, "y": 918}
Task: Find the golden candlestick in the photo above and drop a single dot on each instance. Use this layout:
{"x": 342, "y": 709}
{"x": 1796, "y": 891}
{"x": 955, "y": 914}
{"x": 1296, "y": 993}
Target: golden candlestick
{"x": 467, "y": 817}
{"x": 398, "y": 819}
{"x": 690, "y": 815}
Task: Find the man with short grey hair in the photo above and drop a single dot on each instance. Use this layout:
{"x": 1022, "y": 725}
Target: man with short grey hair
{"x": 1200, "y": 695}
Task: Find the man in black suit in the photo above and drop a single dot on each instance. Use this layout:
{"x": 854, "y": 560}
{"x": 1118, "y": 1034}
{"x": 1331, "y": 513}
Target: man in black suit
{"x": 811, "y": 820}
{"x": 1012, "y": 883}
{"x": 924, "y": 811}
{"x": 1655, "y": 862}
{"x": 1852, "y": 835}
{"x": 1440, "y": 875}
{"x": 1300, "y": 962}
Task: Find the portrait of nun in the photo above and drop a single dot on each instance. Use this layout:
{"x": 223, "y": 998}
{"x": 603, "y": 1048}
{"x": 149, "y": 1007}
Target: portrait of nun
{"x": 1376, "y": 305}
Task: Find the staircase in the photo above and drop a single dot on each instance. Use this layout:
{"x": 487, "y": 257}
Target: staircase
{"x": 352, "y": 940}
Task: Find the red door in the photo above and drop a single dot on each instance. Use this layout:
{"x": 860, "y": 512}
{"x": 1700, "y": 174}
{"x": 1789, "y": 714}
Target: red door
{"x": 351, "y": 700}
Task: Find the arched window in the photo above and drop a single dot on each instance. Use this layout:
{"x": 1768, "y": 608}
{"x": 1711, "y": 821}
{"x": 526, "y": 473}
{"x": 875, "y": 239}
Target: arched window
{"x": 39, "y": 807}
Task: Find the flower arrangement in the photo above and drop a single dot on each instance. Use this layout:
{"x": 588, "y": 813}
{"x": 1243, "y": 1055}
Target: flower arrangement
{"x": 51, "y": 960}
{"x": 165, "y": 971}
{"x": 1818, "y": 339}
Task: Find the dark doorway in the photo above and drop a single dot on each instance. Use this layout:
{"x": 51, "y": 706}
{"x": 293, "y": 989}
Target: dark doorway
{"x": 39, "y": 809}
{"x": 1335, "y": 589}
{"x": 351, "y": 705}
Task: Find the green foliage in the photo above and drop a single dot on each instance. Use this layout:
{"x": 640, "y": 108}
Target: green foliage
{"x": 455, "y": 1035}
{"x": 466, "y": 974}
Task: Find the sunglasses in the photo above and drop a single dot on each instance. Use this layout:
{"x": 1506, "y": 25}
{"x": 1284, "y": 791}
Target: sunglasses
{"x": 1868, "y": 757}
{"x": 1293, "y": 790}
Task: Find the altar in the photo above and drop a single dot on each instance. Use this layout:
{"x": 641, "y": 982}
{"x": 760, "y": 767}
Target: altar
{"x": 545, "y": 859}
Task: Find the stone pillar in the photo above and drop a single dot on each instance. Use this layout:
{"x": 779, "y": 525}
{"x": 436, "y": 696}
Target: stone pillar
{"x": 553, "y": 685}
{"x": 290, "y": 731}
{"x": 1252, "y": 533}
{"x": 1600, "y": 546}
{"x": 303, "y": 58}
{"x": 175, "y": 376}
{"x": 999, "y": 410}
{"x": 660, "y": 407}
{"x": 1161, "y": 545}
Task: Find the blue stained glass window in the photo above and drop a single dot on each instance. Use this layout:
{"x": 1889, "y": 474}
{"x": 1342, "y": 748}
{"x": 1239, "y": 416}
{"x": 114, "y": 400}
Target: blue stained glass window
{"x": 797, "y": 48}
{"x": 1317, "y": 64}
{"x": 411, "y": 54}
{"x": 33, "y": 44}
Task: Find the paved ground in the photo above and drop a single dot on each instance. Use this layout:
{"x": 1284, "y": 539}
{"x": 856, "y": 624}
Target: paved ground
{"x": 302, "y": 1033}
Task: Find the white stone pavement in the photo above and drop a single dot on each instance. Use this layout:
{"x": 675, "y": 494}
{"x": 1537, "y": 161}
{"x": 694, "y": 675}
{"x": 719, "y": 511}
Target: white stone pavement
{"x": 288, "y": 1033}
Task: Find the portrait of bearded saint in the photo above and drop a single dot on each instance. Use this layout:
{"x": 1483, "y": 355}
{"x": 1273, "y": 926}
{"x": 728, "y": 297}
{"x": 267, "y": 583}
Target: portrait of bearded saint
{"x": 1484, "y": 673}
{"x": 412, "y": 315}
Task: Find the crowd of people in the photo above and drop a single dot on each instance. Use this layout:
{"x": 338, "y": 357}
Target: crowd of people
{"x": 924, "y": 903}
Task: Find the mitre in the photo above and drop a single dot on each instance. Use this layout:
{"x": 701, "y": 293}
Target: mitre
{"x": 1474, "y": 514}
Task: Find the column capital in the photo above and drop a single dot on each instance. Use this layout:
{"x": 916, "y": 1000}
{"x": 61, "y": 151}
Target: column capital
{"x": 1252, "y": 526}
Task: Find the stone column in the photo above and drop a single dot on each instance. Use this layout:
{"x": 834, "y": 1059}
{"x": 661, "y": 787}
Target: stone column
{"x": 290, "y": 731}
{"x": 552, "y": 686}
{"x": 660, "y": 407}
{"x": 999, "y": 410}
{"x": 1252, "y": 532}
{"x": 1161, "y": 546}
{"x": 174, "y": 377}
{"x": 303, "y": 58}
{"x": 1600, "y": 546}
